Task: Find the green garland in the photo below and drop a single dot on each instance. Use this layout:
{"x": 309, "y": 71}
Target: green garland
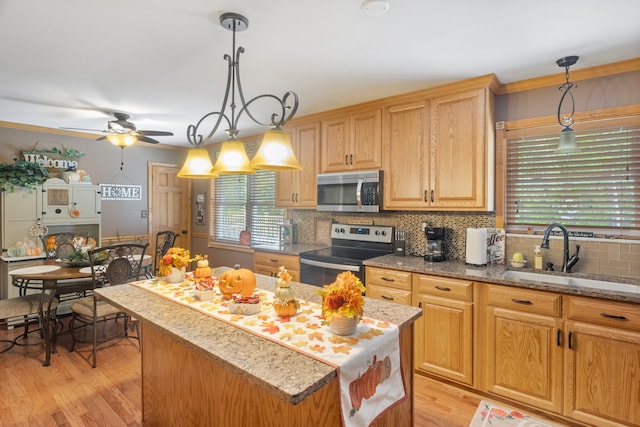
{"x": 21, "y": 174}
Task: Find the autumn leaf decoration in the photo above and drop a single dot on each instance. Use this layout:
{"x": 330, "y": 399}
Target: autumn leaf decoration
{"x": 343, "y": 298}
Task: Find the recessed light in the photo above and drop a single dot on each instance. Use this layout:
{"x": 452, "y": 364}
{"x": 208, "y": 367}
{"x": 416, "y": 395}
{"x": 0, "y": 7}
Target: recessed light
{"x": 374, "y": 7}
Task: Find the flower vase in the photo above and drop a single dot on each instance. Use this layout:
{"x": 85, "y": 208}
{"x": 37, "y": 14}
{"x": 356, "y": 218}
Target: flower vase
{"x": 176, "y": 275}
{"x": 343, "y": 325}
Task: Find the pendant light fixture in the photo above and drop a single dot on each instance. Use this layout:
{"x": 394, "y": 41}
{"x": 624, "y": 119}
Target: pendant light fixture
{"x": 567, "y": 142}
{"x": 275, "y": 152}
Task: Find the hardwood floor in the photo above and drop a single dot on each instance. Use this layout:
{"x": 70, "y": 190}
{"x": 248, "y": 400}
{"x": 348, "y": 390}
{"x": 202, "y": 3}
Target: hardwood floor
{"x": 71, "y": 393}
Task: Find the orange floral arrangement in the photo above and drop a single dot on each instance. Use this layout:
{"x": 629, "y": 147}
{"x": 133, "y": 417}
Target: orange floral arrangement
{"x": 175, "y": 257}
{"x": 343, "y": 298}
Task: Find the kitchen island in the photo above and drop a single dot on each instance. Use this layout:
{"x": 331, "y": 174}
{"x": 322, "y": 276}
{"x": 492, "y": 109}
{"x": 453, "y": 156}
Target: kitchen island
{"x": 197, "y": 370}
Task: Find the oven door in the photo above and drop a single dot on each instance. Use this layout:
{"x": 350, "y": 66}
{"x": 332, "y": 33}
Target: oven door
{"x": 320, "y": 273}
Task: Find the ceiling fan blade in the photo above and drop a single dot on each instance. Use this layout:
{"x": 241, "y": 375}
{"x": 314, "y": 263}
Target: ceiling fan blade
{"x": 90, "y": 130}
{"x": 102, "y": 138}
{"x": 154, "y": 133}
{"x": 146, "y": 139}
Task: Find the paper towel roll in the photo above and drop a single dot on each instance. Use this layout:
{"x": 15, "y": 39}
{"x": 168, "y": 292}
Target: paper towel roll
{"x": 476, "y": 252}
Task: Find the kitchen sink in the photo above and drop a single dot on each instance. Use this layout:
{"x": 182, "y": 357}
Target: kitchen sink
{"x": 571, "y": 281}
{"x": 535, "y": 277}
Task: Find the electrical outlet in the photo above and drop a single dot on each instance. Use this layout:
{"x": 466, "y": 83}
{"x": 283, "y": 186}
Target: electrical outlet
{"x": 143, "y": 213}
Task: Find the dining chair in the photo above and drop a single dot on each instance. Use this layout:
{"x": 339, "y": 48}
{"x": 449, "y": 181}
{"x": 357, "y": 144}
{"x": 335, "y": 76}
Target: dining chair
{"x": 164, "y": 240}
{"x": 23, "y": 307}
{"x": 110, "y": 265}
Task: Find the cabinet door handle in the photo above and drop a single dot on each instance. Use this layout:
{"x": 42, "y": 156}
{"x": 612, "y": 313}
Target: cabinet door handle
{"x": 293, "y": 197}
{"x": 420, "y": 304}
{"x": 612, "y": 316}
{"x": 388, "y": 279}
{"x": 442, "y": 288}
{"x": 351, "y": 159}
{"x": 273, "y": 260}
{"x": 346, "y": 159}
{"x": 559, "y": 338}
{"x": 431, "y": 196}
{"x": 426, "y": 196}
{"x": 521, "y": 301}
{"x": 570, "y": 340}
{"x": 388, "y": 298}
{"x": 297, "y": 197}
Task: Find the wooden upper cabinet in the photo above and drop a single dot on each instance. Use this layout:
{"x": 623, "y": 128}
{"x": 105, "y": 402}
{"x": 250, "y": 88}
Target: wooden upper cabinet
{"x": 352, "y": 142}
{"x": 406, "y": 156}
{"x": 299, "y": 189}
{"x": 460, "y": 149}
{"x": 438, "y": 153}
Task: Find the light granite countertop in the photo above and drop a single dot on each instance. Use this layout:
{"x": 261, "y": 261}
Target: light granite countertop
{"x": 620, "y": 288}
{"x": 293, "y": 249}
{"x": 286, "y": 373}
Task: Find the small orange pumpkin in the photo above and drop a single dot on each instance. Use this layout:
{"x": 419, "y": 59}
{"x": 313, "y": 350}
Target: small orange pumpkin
{"x": 286, "y": 310}
{"x": 237, "y": 281}
{"x": 202, "y": 267}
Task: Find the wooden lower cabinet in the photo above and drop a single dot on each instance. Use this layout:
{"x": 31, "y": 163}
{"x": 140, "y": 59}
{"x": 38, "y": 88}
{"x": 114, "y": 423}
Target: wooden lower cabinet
{"x": 388, "y": 285}
{"x": 269, "y": 263}
{"x": 523, "y": 346}
{"x": 602, "y": 362}
{"x": 570, "y": 356}
{"x": 444, "y": 334}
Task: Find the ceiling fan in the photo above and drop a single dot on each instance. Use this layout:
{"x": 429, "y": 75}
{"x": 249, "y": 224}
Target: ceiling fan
{"x": 122, "y": 132}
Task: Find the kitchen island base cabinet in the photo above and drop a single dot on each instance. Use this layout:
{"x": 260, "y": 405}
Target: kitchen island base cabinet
{"x": 182, "y": 386}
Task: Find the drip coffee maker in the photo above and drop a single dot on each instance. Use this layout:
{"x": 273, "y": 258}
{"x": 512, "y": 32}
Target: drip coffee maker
{"x": 436, "y": 249}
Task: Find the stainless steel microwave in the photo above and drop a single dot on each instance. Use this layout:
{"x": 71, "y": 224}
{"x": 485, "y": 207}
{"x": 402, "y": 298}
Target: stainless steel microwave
{"x": 350, "y": 191}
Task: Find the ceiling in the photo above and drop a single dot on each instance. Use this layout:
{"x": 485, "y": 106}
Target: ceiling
{"x": 70, "y": 63}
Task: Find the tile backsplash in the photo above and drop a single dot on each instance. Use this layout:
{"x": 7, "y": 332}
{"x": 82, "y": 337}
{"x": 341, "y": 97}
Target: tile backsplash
{"x": 597, "y": 256}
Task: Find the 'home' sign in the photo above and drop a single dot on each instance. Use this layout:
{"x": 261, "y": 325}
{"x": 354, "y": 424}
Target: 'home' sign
{"x": 121, "y": 192}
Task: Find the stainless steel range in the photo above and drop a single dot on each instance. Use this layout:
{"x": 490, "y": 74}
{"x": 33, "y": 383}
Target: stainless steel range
{"x": 351, "y": 245}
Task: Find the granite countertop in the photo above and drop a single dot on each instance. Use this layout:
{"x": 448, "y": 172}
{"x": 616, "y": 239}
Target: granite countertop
{"x": 627, "y": 289}
{"x": 286, "y": 373}
{"x": 294, "y": 249}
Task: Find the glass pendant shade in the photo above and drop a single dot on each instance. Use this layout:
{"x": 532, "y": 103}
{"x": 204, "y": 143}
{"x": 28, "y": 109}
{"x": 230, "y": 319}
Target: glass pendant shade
{"x": 121, "y": 139}
{"x": 567, "y": 142}
{"x": 233, "y": 159}
{"x": 276, "y": 153}
{"x": 197, "y": 165}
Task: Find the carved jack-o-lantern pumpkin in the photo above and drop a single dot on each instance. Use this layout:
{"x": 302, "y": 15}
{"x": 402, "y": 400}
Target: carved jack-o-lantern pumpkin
{"x": 237, "y": 281}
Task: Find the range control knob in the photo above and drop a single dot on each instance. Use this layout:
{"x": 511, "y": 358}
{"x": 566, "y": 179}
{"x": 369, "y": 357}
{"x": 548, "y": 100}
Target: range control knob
{"x": 384, "y": 233}
{"x": 377, "y": 232}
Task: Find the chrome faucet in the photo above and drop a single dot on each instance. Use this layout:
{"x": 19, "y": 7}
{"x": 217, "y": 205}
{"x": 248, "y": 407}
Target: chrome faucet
{"x": 567, "y": 261}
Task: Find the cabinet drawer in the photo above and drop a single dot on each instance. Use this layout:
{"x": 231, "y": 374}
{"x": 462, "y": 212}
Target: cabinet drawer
{"x": 388, "y": 278}
{"x": 601, "y": 312}
{"x": 444, "y": 287}
{"x": 385, "y": 293}
{"x": 528, "y": 300}
{"x": 291, "y": 262}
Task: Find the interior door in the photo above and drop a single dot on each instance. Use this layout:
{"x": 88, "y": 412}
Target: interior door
{"x": 169, "y": 204}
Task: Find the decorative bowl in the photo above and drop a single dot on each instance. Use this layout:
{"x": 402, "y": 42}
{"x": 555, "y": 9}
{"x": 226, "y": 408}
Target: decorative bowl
{"x": 518, "y": 264}
{"x": 248, "y": 308}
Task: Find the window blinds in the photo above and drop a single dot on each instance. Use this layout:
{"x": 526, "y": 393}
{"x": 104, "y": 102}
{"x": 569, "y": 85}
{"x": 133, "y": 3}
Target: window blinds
{"x": 596, "y": 188}
{"x": 246, "y": 202}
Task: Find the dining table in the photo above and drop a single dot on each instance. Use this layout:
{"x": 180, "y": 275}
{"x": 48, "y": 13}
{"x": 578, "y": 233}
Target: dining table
{"x": 52, "y": 280}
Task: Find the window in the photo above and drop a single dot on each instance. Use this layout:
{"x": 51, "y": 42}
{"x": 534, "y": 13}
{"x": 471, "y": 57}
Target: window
{"x": 245, "y": 202}
{"x": 596, "y": 189}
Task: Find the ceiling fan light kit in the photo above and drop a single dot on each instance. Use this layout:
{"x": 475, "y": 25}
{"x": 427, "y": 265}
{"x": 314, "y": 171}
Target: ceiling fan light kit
{"x": 122, "y": 140}
{"x": 233, "y": 158}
